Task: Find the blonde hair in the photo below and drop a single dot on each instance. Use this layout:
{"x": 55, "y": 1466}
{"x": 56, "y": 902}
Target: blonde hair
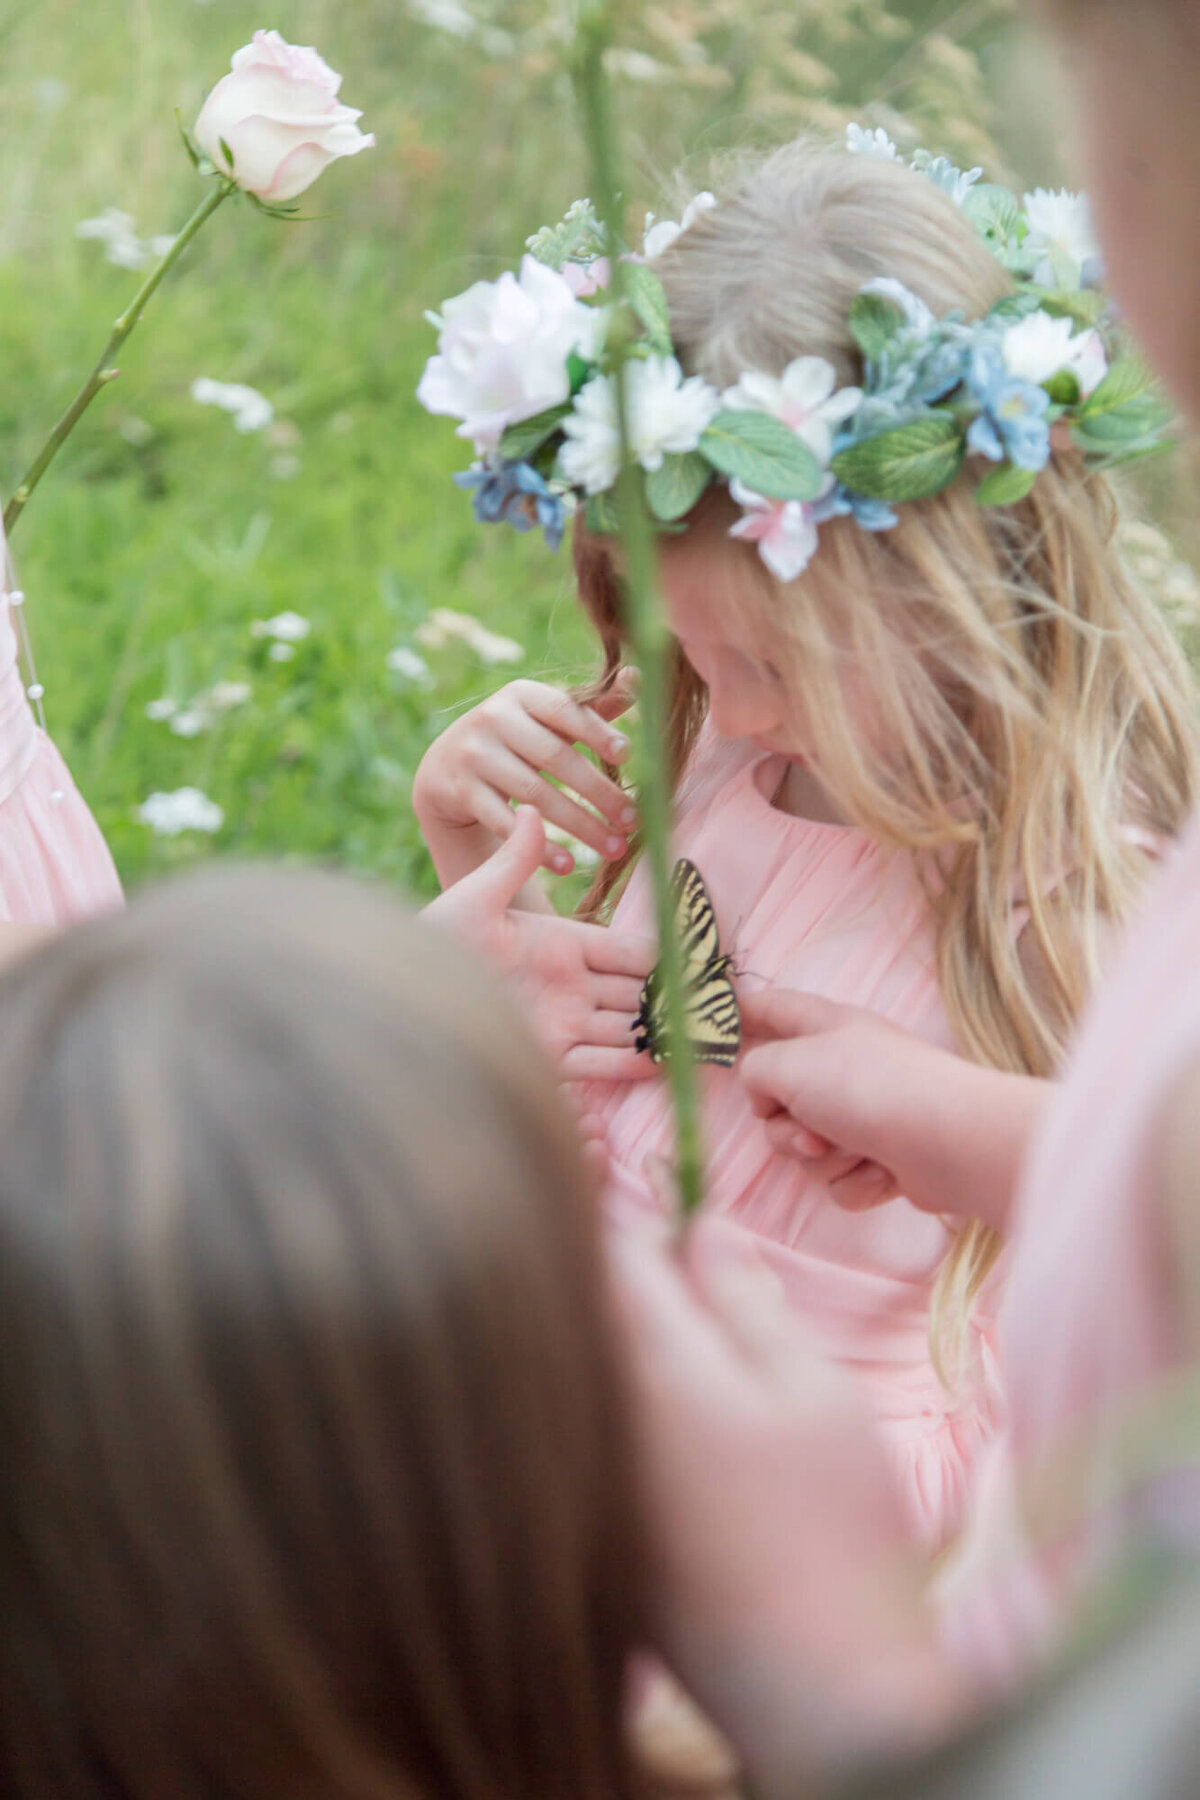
{"x": 319, "y": 1474}
{"x": 1034, "y": 707}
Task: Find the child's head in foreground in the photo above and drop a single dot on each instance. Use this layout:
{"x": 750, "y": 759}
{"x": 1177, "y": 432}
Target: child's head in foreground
{"x": 316, "y": 1479}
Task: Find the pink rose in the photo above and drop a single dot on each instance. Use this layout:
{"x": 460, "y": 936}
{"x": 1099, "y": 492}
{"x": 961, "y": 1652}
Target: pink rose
{"x": 280, "y": 116}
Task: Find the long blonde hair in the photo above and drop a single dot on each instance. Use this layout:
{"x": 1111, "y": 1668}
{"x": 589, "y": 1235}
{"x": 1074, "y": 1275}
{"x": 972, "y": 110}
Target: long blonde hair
{"x": 319, "y": 1476}
{"x": 1037, "y": 715}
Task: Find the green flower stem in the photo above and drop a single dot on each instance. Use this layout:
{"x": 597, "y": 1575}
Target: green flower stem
{"x": 647, "y": 630}
{"x": 103, "y": 372}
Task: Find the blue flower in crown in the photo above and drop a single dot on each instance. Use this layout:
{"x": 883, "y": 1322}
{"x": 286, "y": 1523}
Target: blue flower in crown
{"x": 842, "y": 502}
{"x": 1012, "y": 424}
{"x": 513, "y": 493}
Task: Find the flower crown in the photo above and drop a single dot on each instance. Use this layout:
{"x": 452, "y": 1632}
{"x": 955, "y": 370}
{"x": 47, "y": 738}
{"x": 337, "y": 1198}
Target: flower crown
{"x": 522, "y": 363}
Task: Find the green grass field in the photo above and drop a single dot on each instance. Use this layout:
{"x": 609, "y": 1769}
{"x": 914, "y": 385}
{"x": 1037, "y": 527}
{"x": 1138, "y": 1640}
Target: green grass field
{"x": 162, "y": 533}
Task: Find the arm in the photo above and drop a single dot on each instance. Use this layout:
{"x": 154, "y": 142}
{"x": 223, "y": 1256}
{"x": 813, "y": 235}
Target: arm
{"x": 879, "y": 1112}
{"x": 1179, "y": 1186}
{"x": 504, "y": 750}
{"x": 789, "y": 1595}
{"x": 580, "y": 984}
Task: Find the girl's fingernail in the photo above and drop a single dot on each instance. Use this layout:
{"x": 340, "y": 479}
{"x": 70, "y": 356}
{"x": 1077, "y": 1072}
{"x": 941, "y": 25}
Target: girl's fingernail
{"x": 629, "y": 815}
{"x": 617, "y": 745}
{"x": 613, "y": 846}
{"x": 562, "y": 861}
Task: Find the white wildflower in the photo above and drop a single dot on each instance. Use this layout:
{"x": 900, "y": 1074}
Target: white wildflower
{"x": 281, "y": 652}
{"x": 444, "y": 626}
{"x": 660, "y": 234}
{"x": 635, "y": 65}
{"x": 285, "y": 627}
{"x": 250, "y": 410}
{"x": 1061, "y": 235}
{"x": 189, "y": 722}
{"x": 668, "y": 415}
{"x": 162, "y": 708}
{"x": 445, "y": 15}
{"x": 409, "y": 664}
{"x": 225, "y": 695}
{"x": 187, "y": 809}
{"x": 806, "y": 397}
{"x": 861, "y": 140}
{"x": 116, "y": 230}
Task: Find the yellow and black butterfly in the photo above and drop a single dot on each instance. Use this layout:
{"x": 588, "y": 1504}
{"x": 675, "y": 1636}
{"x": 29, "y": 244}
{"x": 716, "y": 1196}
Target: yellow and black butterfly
{"x": 711, "y": 1015}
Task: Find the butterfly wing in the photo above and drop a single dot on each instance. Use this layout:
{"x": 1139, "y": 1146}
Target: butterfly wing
{"x": 711, "y": 1016}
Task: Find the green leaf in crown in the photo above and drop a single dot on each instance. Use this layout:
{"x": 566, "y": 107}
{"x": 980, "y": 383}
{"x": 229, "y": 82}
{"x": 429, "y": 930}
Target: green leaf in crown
{"x": 648, "y": 298}
{"x": 520, "y": 441}
{"x": 764, "y": 453}
{"x": 673, "y": 489}
{"x": 600, "y": 515}
{"x": 1126, "y": 414}
{"x": 874, "y": 322}
{"x": 910, "y": 462}
{"x": 1005, "y": 486}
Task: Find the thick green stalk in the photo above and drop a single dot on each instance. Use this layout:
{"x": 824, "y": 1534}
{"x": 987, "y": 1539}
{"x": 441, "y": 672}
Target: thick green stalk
{"x": 103, "y": 372}
{"x": 647, "y": 630}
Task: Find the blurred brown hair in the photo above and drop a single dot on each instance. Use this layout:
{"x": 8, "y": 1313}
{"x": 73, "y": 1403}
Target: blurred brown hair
{"x": 316, "y": 1471}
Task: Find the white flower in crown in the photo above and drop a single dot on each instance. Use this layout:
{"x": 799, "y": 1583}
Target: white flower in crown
{"x": 806, "y": 397}
{"x": 668, "y": 415}
{"x": 503, "y": 349}
{"x": 661, "y": 233}
{"x": 784, "y": 530}
{"x": 862, "y": 141}
{"x": 1040, "y": 346}
{"x": 1060, "y": 229}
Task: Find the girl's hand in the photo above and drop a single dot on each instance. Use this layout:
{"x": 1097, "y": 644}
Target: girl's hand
{"x": 505, "y": 749}
{"x": 788, "y": 1593}
{"x": 880, "y": 1111}
{"x": 581, "y": 983}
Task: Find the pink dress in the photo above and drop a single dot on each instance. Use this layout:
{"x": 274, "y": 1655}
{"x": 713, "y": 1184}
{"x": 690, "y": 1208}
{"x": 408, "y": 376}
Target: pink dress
{"x": 1088, "y": 1336}
{"x": 54, "y": 864}
{"x": 823, "y": 908}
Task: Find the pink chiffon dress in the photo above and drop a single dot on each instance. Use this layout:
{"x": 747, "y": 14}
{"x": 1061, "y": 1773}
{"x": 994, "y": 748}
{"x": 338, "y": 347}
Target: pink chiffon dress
{"x": 54, "y": 865}
{"x": 1101, "y": 1450}
{"x": 823, "y": 908}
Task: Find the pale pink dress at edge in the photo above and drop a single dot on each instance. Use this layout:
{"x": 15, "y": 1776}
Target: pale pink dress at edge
{"x": 1087, "y": 1336}
{"x": 822, "y": 908}
{"x": 54, "y": 865}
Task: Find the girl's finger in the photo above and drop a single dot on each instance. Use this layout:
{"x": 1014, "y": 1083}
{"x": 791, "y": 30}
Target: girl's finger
{"x": 516, "y": 779}
{"x": 621, "y": 695}
{"x": 609, "y": 952}
{"x": 868, "y": 1184}
{"x": 588, "y": 1062}
{"x": 617, "y": 993}
{"x": 578, "y": 724}
{"x": 542, "y": 749}
{"x": 791, "y": 1139}
{"x": 608, "y": 1030}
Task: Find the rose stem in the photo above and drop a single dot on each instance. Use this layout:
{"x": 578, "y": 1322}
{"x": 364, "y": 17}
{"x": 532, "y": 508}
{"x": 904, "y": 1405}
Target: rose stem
{"x": 647, "y": 629}
{"x": 102, "y": 374}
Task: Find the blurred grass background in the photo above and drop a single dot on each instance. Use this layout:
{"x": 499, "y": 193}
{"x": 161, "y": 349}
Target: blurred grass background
{"x": 162, "y": 533}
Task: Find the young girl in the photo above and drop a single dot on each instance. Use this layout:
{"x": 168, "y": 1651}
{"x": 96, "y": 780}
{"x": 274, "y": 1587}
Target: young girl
{"x": 317, "y": 1465}
{"x": 54, "y": 864}
{"x": 924, "y": 777}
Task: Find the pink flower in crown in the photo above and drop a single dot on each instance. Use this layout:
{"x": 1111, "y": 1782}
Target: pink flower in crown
{"x": 586, "y": 279}
{"x": 806, "y": 397}
{"x": 278, "y": 114}
{"x": 784, "y": 530}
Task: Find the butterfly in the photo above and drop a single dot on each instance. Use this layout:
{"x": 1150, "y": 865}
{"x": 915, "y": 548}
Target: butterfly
{"x": 712, "y": 1019}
